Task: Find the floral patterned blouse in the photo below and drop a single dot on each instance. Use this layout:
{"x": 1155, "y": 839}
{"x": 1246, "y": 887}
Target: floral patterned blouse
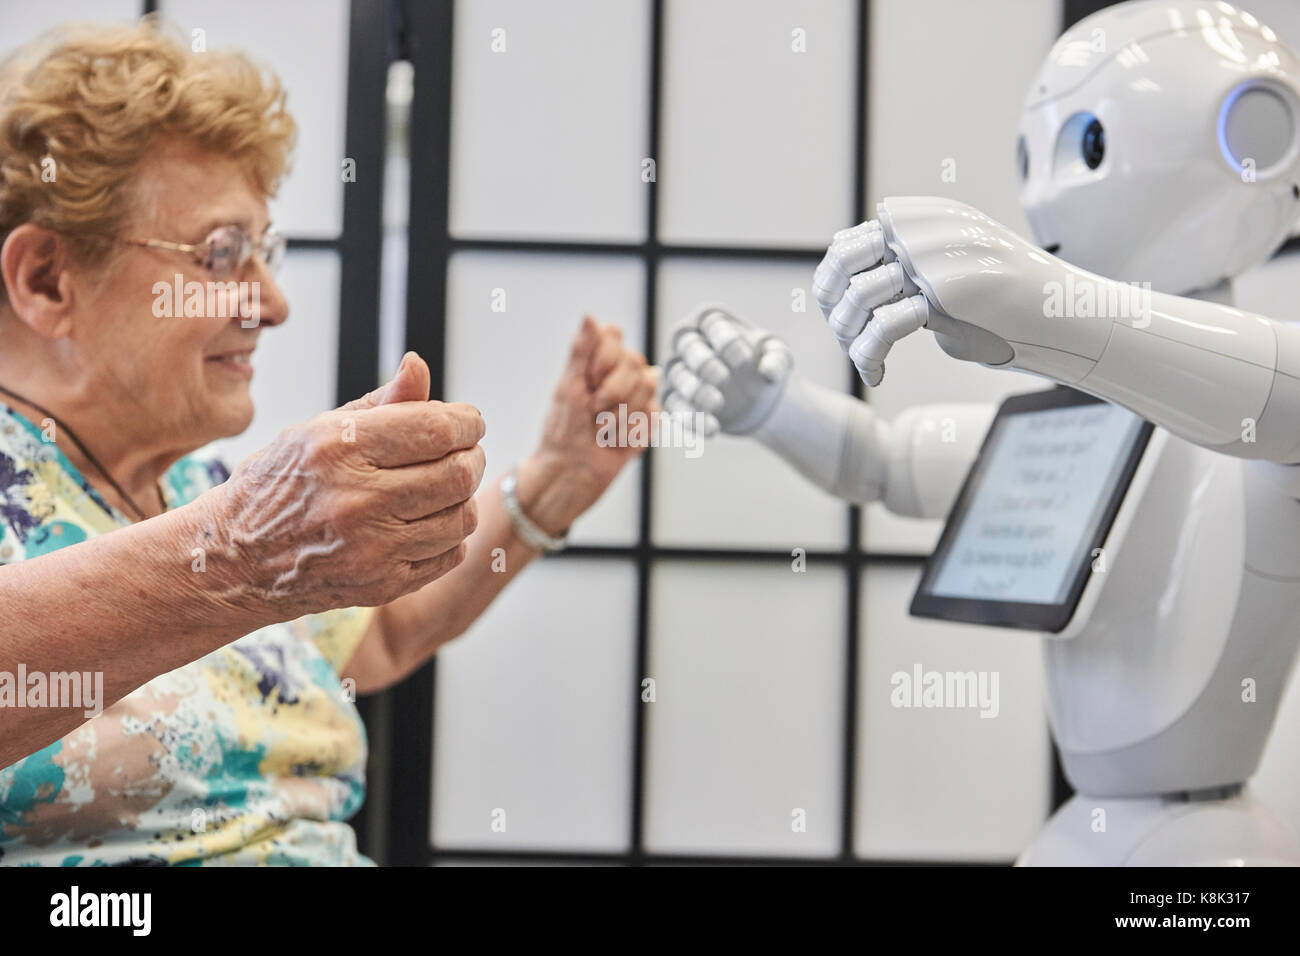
{"x": 254, "y": 754}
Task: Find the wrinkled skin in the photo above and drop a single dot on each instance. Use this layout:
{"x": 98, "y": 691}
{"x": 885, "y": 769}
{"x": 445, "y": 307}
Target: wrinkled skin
{"x": 356, "y": 506}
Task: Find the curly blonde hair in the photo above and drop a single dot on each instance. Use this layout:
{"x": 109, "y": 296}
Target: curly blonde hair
{"x": 81, "y": 107}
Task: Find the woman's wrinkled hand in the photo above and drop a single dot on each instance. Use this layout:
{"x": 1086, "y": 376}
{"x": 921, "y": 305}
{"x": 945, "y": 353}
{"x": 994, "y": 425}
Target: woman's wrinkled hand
{"x": 572, "y": 467}
{"x": 356, "y": 506}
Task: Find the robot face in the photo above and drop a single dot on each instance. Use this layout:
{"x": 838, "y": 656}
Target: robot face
{"x": 1160, "y": 143}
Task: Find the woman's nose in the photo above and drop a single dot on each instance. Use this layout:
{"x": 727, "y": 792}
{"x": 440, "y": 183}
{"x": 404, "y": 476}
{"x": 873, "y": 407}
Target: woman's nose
{"x": 273, "y": 307}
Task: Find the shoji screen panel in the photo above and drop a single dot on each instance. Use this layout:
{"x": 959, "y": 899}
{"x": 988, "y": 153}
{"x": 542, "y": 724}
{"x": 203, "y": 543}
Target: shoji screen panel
{"x": 962, "y": 783}
{"x": 757, "y": 124}
{"x": 533, "y": 739}
{"x": 533, "y": 709}
{"x": 751, "y": 724}
{"x": 743, "y": 743}
{"x": 315, "y": 76}
{"x": 27, "y": 21}
{"x": 549, "y": 119}
{"x": 510, "y": 319}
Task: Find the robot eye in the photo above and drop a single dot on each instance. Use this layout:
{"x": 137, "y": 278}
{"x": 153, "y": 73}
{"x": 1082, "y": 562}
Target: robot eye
{"x": 1022, "y": 158}
{"x": 1093, "y": 144}
{"x": 1080, "y": 147}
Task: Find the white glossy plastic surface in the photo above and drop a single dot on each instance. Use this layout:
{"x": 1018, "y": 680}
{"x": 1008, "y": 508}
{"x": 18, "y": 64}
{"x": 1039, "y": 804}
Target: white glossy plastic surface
{"x": 1163, "y": 78}
{"x": 1238, "y": 831}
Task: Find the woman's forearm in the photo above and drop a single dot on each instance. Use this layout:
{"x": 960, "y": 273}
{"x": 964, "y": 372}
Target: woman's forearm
{"x": 121, "y": 609}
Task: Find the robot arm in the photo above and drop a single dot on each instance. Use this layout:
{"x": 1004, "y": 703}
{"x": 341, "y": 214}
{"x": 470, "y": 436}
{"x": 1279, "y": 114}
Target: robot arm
{"x": 741, "y": 381}
{"x": 1217, "y": 376}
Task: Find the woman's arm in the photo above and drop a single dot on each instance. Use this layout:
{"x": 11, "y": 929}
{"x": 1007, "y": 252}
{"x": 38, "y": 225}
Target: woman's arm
{"x": 313, "y": 521}
{"x": 126, "y": 605}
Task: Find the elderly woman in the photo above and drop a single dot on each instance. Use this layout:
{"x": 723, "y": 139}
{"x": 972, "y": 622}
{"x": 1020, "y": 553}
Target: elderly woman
{"x": 227, "y": 615}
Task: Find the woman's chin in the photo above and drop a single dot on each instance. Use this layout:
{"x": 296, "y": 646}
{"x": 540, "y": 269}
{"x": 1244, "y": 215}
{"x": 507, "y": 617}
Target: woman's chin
{"x": 232, "y": 416}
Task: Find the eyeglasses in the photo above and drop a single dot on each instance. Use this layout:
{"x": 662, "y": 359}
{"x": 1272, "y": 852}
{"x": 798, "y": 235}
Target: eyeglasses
{"x": 226, "y": 250}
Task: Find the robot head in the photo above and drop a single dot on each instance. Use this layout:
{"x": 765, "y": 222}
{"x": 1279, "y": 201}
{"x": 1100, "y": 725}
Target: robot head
{"x": 1160, "y": 142}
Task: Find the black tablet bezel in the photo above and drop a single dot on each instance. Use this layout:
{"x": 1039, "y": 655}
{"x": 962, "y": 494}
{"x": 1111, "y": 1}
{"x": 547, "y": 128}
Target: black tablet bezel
{"x": 1051, "y": 618}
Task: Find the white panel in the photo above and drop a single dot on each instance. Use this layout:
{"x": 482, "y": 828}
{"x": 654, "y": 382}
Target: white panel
{"x": 27, "y": 21}
{"x": 747, "y": 726}
{"x": 757, "y": 137}
{"x": 946, "y": 783}
{"x": 305, "y": 42}
{"x": 736, "y": 493}
{"x": 549, "y": 134}
{"x": 296, "y": 363}
{"x": 534, "y": 715}
{"x": 947, "y": 80}
{"x": 507, "y": 363}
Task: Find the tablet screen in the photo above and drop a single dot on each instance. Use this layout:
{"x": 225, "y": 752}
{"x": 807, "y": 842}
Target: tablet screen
{"x": 1041, "y": 496}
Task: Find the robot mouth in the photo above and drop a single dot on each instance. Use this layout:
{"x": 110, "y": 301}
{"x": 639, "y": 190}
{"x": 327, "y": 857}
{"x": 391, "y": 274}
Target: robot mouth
{"x": 1053, "y": 249}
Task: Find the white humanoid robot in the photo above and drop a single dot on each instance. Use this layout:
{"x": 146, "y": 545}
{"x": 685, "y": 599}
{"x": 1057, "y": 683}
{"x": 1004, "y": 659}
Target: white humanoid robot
{"x": 1160, "y": 145}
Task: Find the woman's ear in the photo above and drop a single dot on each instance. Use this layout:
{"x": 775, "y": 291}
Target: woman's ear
{"x": 33, "y": 264}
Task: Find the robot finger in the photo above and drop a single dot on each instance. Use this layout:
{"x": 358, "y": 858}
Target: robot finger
{"x": 678, "y": 407}
{"x": 851, "y": 250}
{"x": 700, "y": 358}
{"x": 727, "y": 339}
{"x": 866, "y": 291}
{"x": 688, "y": 385}
{"x": 888, "y": 324}
{"x": 775, "y": 359}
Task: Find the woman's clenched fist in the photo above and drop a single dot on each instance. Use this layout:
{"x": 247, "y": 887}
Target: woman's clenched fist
{"x": 356, "y": 506}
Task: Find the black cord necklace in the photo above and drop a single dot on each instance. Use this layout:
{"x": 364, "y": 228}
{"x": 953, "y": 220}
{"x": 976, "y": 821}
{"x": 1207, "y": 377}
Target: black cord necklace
{"x": 84, "y": 450}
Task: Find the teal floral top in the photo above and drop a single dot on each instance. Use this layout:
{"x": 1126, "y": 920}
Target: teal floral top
{"x": 254, "y": 754}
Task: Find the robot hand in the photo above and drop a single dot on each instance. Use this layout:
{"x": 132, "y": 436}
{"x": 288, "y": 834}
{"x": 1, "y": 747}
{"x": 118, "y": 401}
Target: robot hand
{"x": 993, "y": 297}
{"x": 939, "y": 264}
{"x": 725, "y": 369}
{"x": 740, "y": 379}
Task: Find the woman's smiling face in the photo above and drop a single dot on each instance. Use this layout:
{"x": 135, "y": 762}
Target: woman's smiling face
{"x": 187, "y": 374}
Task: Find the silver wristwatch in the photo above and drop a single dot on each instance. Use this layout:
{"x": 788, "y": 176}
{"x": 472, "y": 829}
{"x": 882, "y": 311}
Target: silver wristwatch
{"x": 532, "y": 535}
